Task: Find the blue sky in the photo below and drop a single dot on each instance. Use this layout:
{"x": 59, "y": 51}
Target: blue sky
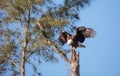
{"x": 101, "y": 57}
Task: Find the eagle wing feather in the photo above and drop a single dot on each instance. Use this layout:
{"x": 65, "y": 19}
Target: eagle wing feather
{"x": 89, "y": 33}
{"x": 63, "y": 37}
{"x": 82, "y": 32}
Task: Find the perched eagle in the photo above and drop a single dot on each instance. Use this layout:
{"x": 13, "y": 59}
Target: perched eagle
{"x": 77, "y": 39}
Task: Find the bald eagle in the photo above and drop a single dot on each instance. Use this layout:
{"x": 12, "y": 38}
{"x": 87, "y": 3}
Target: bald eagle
{"x": 76, "y": 40}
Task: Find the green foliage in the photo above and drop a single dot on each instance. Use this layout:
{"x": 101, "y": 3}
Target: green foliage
{"x": 69, "y": 9}
{"x": 8, "y": 48}
{"x": 50, "y": 22}
{"x": 16, "y": 10}
{"x": 27, "y": 13}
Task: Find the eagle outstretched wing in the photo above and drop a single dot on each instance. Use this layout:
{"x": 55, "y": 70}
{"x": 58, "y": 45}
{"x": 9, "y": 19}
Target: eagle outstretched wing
{"x": 63, "y": 37}
{"x": 89, "y": 33}
{"x": 82, "y": 32}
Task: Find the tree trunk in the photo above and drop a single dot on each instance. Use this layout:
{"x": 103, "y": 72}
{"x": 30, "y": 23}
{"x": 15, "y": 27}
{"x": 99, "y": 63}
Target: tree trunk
{"x": 23, "y": 52}
{"x": 74, "y": 63}
{"x": 23, "y": 55}
{"x": 25, "y": 45}
{"x": 23, "y": 64}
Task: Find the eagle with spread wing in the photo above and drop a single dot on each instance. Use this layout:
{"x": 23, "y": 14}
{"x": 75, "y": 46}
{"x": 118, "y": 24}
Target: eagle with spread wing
{"x": 76, "y": 40}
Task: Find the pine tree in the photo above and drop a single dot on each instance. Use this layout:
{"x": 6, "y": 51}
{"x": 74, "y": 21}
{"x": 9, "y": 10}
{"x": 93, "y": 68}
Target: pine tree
{"x": 31, "y": 16}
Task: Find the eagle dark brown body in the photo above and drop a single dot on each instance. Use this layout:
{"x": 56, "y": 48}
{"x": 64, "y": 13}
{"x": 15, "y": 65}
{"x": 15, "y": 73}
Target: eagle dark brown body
{"x": 77, "y": 39}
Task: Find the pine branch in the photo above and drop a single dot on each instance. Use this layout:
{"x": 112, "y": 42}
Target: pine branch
{"x": 53, "y": 46}
{"x": 58, "y": 51}
{"x": 12, "y": 62}
{"x": 30, "y": 55}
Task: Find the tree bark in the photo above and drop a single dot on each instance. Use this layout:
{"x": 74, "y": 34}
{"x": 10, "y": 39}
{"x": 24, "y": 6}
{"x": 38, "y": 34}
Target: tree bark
{"x": 74, "y": 63}
{"x": 23, "y": 64}
{"x": 23, "y": 54}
